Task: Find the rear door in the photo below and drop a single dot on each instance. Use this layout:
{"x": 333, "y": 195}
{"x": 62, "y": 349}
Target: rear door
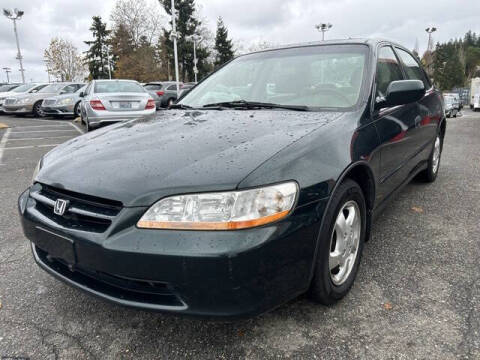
{"x": 396, "y": 125}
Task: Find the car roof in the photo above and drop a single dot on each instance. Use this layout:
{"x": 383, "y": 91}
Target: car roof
{"x": 162, "y": 83}
{"x": 372, "y": 42}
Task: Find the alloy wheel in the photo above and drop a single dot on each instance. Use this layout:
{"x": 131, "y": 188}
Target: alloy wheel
{"x": 344, "y": 242}
{"x": 436, "y": 155}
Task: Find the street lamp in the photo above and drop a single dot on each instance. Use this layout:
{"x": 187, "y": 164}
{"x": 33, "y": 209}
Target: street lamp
{"x": 196, "y": 39}
{"x": 16, "y": 15}
{"x": 323, "y": 27}
{"x": 173, "y": 37}
{"x": 7, "y": 70}
{"x": 430, "y": 30}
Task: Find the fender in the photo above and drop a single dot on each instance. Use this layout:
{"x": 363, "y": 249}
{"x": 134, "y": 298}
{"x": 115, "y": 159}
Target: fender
{"x": 342, "y": 176}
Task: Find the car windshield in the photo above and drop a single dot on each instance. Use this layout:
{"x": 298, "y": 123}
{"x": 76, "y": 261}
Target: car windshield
{"x": 52, "y": 88}
{"x": 449, "y": 100}
{"x": 328, "y": 76}
{"x": 5, "y": 88}
{"x": 24, "y": 88}
{"x": 81, "y": 89}
{"x": 118, "y": 87}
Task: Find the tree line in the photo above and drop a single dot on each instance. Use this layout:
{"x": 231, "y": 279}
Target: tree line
{"x": 139, "y": 45}
{"x": 454, "y": 63}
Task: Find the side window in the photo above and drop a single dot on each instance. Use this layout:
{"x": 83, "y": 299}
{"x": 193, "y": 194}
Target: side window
{"x": 412, "y": 68}
{"x": 172, "y": 88}
{"x": 388, "y": 69}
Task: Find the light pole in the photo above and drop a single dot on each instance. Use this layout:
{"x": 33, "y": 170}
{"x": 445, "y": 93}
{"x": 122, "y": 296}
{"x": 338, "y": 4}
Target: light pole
{"x": 16, "y": 15}
{"x": 430, "y": 30}
{"x": 7, "y": 70}
{"x": 196, "y": 39}
{"x": 173, "y": 37}
{"x": 323, "y": 27}
{"x": 108, "y": 63}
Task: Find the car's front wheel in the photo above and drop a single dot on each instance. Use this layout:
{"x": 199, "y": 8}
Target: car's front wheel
{"x": 37, "y": 109}
{"x": 340, "y": 244}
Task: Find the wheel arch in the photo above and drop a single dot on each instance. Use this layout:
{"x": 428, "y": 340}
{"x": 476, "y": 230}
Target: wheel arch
{"x": 362, "y": 173}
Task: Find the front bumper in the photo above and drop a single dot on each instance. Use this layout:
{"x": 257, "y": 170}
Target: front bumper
{"x": 18, "y": 109}
{"x": 58, "y": 110}
{"x": 208, "y": 273}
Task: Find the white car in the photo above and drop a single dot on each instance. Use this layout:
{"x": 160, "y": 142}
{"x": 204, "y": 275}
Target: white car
{"x": 18, "y": 90}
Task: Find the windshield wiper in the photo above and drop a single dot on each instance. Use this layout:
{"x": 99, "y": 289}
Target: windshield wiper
{"x": 180, "y": 106}
{"x": 255, "y": 105}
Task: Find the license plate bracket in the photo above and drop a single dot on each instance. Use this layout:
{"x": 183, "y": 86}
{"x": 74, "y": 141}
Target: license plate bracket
{"x": 57, "y": 246}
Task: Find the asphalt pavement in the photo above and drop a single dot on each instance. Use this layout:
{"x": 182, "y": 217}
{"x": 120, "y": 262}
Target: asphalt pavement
{"x": 417, "y": 294}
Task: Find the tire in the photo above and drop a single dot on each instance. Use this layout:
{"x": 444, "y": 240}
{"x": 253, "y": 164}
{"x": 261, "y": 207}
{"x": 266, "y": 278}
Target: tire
{"x": 76, "y": 110}
{"x": 332, "y": 281}
{"x": 37, "y": 109}
{"x": 429, "y": 175}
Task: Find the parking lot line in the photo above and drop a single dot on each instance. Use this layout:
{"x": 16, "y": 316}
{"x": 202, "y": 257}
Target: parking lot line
{"x": 40, "y": 131}
{"x": 39, "y": 126}
{"x": 41, "y": 138}
{"x": 77, "y": 128}
{"x": 29, "y": 147}
{"x": 3, "y": 142}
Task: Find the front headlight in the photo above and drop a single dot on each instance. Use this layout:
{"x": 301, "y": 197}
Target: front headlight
{"x": 66, "y": 101}
{"x": 222, "y": 210}
{"x": 24, "y": 101}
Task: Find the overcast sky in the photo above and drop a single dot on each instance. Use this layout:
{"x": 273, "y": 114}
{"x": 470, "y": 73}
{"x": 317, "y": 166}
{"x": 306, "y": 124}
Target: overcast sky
{"x": 249, "y": 21}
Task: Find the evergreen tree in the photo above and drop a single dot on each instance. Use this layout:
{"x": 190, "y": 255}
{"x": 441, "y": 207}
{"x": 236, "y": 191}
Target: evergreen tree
{"x": 448, "y": 70}
{"x": 96, "y": 55}
{"x": 223, "y": 45}
{"x": 187, "y": 24}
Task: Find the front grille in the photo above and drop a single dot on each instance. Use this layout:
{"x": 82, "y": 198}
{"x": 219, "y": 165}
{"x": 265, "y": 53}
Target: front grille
{"x": 84, "y": 212}
{"x": 48, "y": 102}
{"x": 133, "y": 290}
{"x": 9, "y": 101}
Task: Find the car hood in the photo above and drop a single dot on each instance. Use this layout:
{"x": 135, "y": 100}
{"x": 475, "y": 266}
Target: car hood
{"x": 63, "y": 96}
{"x": 36, "y": 96}
{"x": 141, "y": 161}
{"x": 8, "y": 94}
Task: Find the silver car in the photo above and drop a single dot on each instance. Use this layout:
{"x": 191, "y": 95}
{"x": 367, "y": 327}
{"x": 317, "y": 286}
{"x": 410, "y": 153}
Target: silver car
{"x": 67, "y": 104}
{"x": 31, "y": 103}
{"x": 29, "y": 88}
{"x": 108, "y": 101}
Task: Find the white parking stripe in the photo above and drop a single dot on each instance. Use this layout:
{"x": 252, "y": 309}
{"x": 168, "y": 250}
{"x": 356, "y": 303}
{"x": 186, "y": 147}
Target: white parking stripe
{"x": 41, "y": 138}
{"x": 38, "y": 126}
{"x": 77, "y": 128}
{"x": 29, "y": 147}
{"x": 40, "y": 131}
{"x": 3, "y": 142}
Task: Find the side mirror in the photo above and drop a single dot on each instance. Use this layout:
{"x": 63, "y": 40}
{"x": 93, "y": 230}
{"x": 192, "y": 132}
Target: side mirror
{"x": 82, "y": 94}
{"x": 34, "y": 91}
{"x": 403, "y": 92}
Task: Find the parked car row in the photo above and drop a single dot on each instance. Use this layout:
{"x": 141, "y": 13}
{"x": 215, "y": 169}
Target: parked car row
{"x": 452, "y": 104}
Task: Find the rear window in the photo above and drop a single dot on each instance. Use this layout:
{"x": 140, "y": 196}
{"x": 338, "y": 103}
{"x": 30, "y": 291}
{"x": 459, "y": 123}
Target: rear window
{"x": 153, "y": 87}
{"x": 118, "y": 86}
{"x": 4, "y": 88}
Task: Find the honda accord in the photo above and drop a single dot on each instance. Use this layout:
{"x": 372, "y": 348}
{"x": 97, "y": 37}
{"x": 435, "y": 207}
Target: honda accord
{"x": 258, "y": 185}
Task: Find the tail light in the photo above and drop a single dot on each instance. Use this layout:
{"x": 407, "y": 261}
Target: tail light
{"x": 150, "y": 104}
{"x": 160, "y": 93}
{"x": 97, "y": 105}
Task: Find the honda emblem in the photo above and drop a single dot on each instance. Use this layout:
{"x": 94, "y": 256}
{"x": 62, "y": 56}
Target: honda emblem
{"x": 60, "y": 207}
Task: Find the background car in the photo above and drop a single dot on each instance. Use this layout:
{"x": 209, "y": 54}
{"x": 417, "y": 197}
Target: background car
{"x": 186, "y": 88}
{"x": 108, "y": 101}
{"x": 166, "y": 92}
{"x": 452, "y": 105}
{"x": 31, "y": 103}
{"x": 67, "y": 104}
{"x": 18, "y": 89}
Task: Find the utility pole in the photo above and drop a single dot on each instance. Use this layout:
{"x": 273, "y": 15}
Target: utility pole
{"x": 18, "y": 15}
{"x": 7, "y": 70}
{"x": 173, "y": 36}
{"x": 323, "y": 28}
{"x": 195, "y": 38}
{"x": 430, "y": 30}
